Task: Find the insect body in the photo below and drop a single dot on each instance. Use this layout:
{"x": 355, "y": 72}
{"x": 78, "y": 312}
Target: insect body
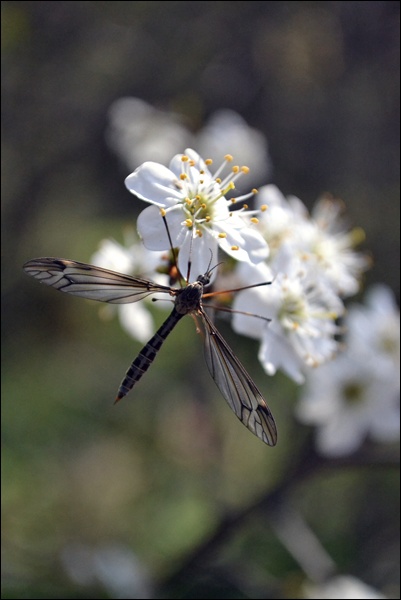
{"x": 95, "y": 283}
{"x": 187, "y": 300}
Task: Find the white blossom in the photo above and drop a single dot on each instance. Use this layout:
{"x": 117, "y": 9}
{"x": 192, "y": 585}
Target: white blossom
{"x": 135, "y": 317}
{"x": 138, "y": 132}
{"x": 321, "y": 237}
{"x": 342, "y": 587}
{"x": 225, "y": 131}
{"x": 199, "y": 216}
{"x": 302, "y": 309}
{"x": 357, "y": 395}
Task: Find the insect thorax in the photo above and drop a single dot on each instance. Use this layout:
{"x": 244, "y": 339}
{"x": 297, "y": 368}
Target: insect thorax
{"x": 189, "y": 298}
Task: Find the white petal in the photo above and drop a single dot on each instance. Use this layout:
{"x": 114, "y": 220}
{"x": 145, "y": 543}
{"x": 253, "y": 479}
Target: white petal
{"x": 114, "y": 256}
{"x": 176, "y": 163}
{"x": 152, "y": 228}
{"x": 137, "y": 321}
{"x": 255, "y": 245}
{"x": 340, "y": 436}
{"x": 154, "y": 183}
{"x": 251, "y": 301}
{"x": 277, "y": 353}
{"x": 342, "y": 587}
{"x": 200, "y": 251}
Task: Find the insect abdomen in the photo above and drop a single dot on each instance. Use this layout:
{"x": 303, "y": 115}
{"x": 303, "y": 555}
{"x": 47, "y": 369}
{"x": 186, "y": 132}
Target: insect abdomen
{"x": 147, "y": 355}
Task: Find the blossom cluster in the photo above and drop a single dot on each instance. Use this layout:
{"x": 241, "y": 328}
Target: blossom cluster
{"x": 312, "y": 267}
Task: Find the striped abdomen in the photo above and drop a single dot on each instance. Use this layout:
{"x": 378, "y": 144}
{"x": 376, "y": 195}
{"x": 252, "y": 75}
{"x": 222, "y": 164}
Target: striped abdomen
{"x": 147, "y": 355}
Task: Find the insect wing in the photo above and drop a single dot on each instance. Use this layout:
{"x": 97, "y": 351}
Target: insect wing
{"x": 237, "y": 386}
{"x": 88, "y": 281}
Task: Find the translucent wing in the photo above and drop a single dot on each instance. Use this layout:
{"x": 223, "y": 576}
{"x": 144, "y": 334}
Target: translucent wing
{"x": 88, "y": 281}
{"x": 237, "y": 386}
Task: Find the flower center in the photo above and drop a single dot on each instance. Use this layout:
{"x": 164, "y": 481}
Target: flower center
{"x": 204, "y": 195}
{"x": 353, "y": 393}
{"x": 293, "y": 311}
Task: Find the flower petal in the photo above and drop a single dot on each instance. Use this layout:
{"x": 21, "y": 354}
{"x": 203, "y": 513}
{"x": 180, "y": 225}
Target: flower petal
{"x": 152, "y": 228}
{"x": 201, "y": 251}
{"x": 154, "y": 183}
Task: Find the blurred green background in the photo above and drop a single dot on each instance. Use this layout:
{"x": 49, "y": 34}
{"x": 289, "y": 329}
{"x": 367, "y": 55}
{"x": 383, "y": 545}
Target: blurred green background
{"x": 167, "y": 495}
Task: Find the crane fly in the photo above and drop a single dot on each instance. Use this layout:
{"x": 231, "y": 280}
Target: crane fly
{"x": 96, "y": 283}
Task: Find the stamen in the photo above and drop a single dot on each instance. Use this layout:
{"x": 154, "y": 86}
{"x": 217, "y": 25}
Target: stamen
{"x": 254, "y": 220}
{"x": 245, "y": 170}
{"x": 162, "y": 212}
{"x": 357, "y": 235}
{"x": 234, "y": 247}
{"x": 222, "y": 235}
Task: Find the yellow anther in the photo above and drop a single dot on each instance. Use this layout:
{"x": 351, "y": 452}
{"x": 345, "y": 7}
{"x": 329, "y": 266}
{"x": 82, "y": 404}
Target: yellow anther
{"x": 208, "y": 218}
{"x": 183, "y": 176}
{"x": 222, "y": 235}
{"x": 231, "y": 186}
{"x": 255, "y": 191}
{"x": 254, "y": 220}
{"x": 191, "y": 163}
{"x": 228, "y": 158}
{"x": 245, "y": 206}
{"x": 208, "y": 161}
{"x": 199, "y": 233}
{"x": 357, "y": 235}
{"x": 188, "y": 201}
{"x": 245, "y": 170}
{"x": 188, "y": 222}
{"x": 218, "y": 180}
{"x": 162, "y": 212}
{"x": 235, "y": 169}
{"x": 203, "y": 205}
{"x": 234, "y": 247}
{"x": 263, "y": 207}
{"x": 184, "y": 158}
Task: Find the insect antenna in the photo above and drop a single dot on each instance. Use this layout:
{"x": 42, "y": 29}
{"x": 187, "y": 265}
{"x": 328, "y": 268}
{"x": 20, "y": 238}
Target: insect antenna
{"x": 173, "y": 249}
{"x": 190, "y": 258}
{"x": 239, "y": 289}
{"x": 227, "y": 309}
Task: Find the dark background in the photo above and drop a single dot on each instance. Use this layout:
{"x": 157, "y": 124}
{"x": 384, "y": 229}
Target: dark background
{"x": 162, "y": 475}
